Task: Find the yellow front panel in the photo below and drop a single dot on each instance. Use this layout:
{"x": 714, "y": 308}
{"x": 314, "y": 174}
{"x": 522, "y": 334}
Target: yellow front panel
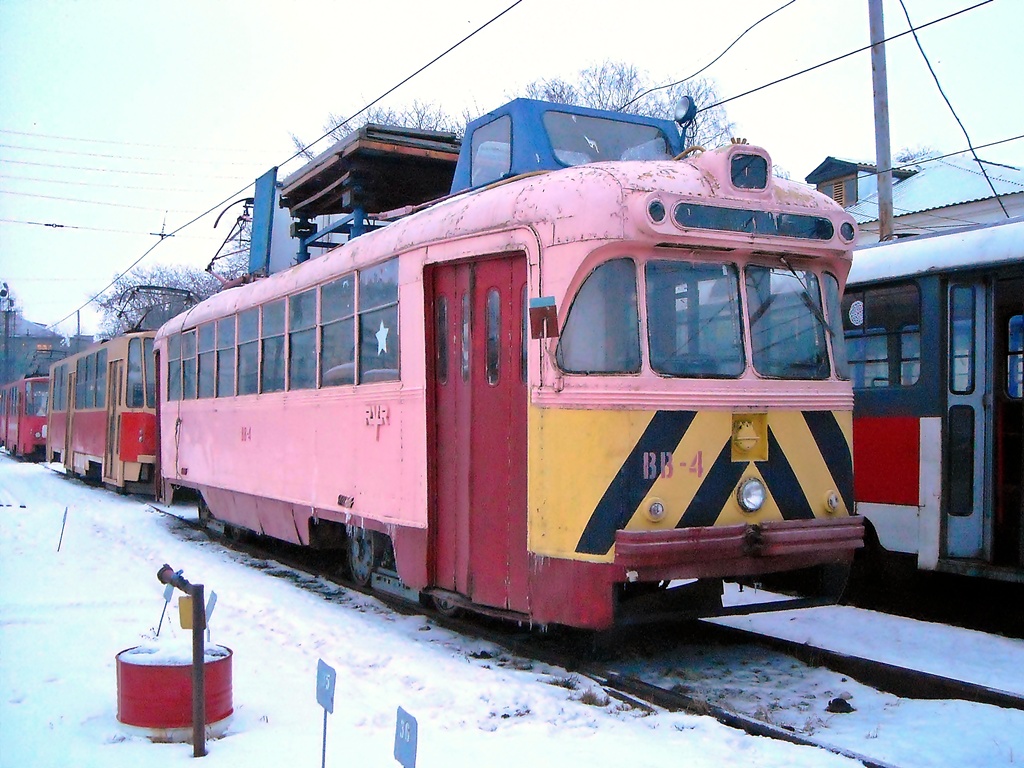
{"x": 593, "y": 472}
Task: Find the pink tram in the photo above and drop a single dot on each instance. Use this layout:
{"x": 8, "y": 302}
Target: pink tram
{"x": 102, "y": 418}
{"x": 582, "y": 397}
{"x": 23, "y": 417}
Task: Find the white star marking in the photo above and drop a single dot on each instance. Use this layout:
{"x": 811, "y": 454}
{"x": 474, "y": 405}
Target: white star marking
{"x": 382, "y": 339}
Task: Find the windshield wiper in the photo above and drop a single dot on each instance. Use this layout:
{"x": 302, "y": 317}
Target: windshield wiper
{"x": 808, "y": 299}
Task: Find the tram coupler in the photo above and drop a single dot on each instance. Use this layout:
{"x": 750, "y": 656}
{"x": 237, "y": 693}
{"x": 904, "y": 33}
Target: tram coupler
{"x": 167, "y": 575}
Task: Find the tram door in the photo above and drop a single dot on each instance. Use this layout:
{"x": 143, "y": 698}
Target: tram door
{"x": 112, "y": 449}
{"x": 967, "y": 463}
{"x": 479, "y": 446}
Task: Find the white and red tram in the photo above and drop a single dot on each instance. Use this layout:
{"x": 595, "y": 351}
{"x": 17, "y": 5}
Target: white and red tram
{"x": 935, "y": 335}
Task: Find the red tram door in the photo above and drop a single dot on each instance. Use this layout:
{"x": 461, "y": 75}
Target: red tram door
{"x": 112, "y": 444}
{"x": 478, "y": 451}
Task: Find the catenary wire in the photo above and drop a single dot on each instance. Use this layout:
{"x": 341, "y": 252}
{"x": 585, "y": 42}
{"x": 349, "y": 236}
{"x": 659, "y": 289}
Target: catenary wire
{"x": 299, "y": 152}
{"x": 945, "y": 98}
{"x": 708, "y": 65}
{"x": 833, "y": 60}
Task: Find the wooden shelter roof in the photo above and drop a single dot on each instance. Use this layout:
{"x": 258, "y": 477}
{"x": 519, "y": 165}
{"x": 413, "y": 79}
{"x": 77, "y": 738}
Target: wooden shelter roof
{"x": 376, "y": 168}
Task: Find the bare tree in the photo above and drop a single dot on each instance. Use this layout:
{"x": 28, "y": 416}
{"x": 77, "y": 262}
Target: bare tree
{"x": 915, "y": 154}
{"x": 619, "y": 86}
{"x": 425, "y": 115}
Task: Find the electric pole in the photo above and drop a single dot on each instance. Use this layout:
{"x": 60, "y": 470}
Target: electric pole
{"x": 883, "y": 154}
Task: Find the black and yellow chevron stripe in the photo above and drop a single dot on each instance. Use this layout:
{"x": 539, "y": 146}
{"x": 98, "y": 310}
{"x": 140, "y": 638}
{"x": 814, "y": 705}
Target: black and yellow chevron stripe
{"x": 595, "y": 472}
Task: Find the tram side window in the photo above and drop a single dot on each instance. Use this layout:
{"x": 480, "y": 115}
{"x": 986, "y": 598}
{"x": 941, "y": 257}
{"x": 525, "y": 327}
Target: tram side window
{"x": 524, "y": 336}
{"x": 302, "y": 340}
{"x": 226, "y": 356}
{"x": 174, "y": 367}
{"x": 492, "y": 151}
{"x": 60, "y": 389}
{"x": 601, "y": 333}
{"x": 441, "y": 338}
{"x": 961, "y": 338}
{"x": 136, "y": 395}
{"x": 337, "y": 332}
{"x": 493, "y": 335}
{"x": 101, "y": 379}
{"x": 81, "y": 382}
{"x": 787, "y": 333}
{"x": 188, "y": 365}
{"x": 149, "y": 361}
{"x": 1015, "y": 358}
{"x": 207, "y": 359}
{"x": 378, "y": 323}
{"x": 693, "y": 319}
{"x": 883, "y": 336}
{"x": 272, "y": 335}
{"x": 249, "y": 351}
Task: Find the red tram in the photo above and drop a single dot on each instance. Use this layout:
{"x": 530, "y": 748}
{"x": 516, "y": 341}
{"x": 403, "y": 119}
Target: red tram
{"x": 581, "y": 397}
{"x": 102, "y": 417}
{"x": 23, "y": 417}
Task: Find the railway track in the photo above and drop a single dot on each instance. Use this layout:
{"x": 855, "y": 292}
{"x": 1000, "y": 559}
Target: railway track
{"x": 627, "y": 675}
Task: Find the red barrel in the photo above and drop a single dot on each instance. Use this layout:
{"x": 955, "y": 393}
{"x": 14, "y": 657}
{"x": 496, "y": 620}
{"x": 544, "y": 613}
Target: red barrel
{"x": 154, "y": 689}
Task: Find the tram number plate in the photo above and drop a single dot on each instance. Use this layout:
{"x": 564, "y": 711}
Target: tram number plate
{"x": 405, "y": 739}
{"x": 657, "y": 465}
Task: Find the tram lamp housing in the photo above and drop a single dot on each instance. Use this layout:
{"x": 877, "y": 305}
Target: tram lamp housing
{"x": 751, "y": 494}
{"x": 685, "y": 111}
{"x": 832, "y": 502}
{"x": 656, "y": 511}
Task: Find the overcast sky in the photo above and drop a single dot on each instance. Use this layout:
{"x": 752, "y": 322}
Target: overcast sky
{"x": 118, "y": 116}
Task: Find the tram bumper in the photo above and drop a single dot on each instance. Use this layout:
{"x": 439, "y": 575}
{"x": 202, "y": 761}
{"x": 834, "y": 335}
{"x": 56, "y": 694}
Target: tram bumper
{"x": 737, "y": 550}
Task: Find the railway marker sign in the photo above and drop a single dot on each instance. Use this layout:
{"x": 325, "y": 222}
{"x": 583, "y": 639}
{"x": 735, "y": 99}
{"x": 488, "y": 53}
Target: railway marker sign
{"x": 326, "y": 679}
{"x": 405, "y": 739}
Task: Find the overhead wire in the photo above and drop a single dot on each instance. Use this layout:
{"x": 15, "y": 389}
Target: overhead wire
{"x": 90, "y": 202}
{"x": 297, "y": 153}
{"x": 708, "y": 65}
{"x": 121, "y": 143}
{"x": 117, "y": 157}
{"x": 303, "y": 150}
{"x": 833, "y": 60}
{"x": 945, "y": 98}
{"x": 107, "y": 170}
{"x": 57, "y": 225}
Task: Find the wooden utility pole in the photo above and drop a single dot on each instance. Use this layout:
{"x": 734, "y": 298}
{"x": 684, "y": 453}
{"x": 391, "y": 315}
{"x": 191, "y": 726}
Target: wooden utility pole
{"x": 883, "y": 154}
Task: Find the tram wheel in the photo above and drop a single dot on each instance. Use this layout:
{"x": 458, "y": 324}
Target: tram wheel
{"x": 362, "y": 555}
{"x": 446, "y": 606}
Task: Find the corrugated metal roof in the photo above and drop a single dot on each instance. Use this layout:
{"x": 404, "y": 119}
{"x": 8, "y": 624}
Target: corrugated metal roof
{"x": 953, "y": 180}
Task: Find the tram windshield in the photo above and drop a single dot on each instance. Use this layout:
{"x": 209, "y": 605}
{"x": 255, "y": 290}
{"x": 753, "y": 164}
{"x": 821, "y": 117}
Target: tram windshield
{"x": 787, "y": 334}
{"x": 693, "y": 319}
{"x": 37, "y": 397}
{"x": 578, "y": 139}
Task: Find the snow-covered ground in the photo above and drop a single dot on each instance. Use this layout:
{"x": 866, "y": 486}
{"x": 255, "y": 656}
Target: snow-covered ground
{"x": 65, "y": 614}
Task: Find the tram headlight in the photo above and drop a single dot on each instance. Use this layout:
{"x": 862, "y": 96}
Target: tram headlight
{"x": 656, "y": 511}
{"x": 751, "y": 494}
